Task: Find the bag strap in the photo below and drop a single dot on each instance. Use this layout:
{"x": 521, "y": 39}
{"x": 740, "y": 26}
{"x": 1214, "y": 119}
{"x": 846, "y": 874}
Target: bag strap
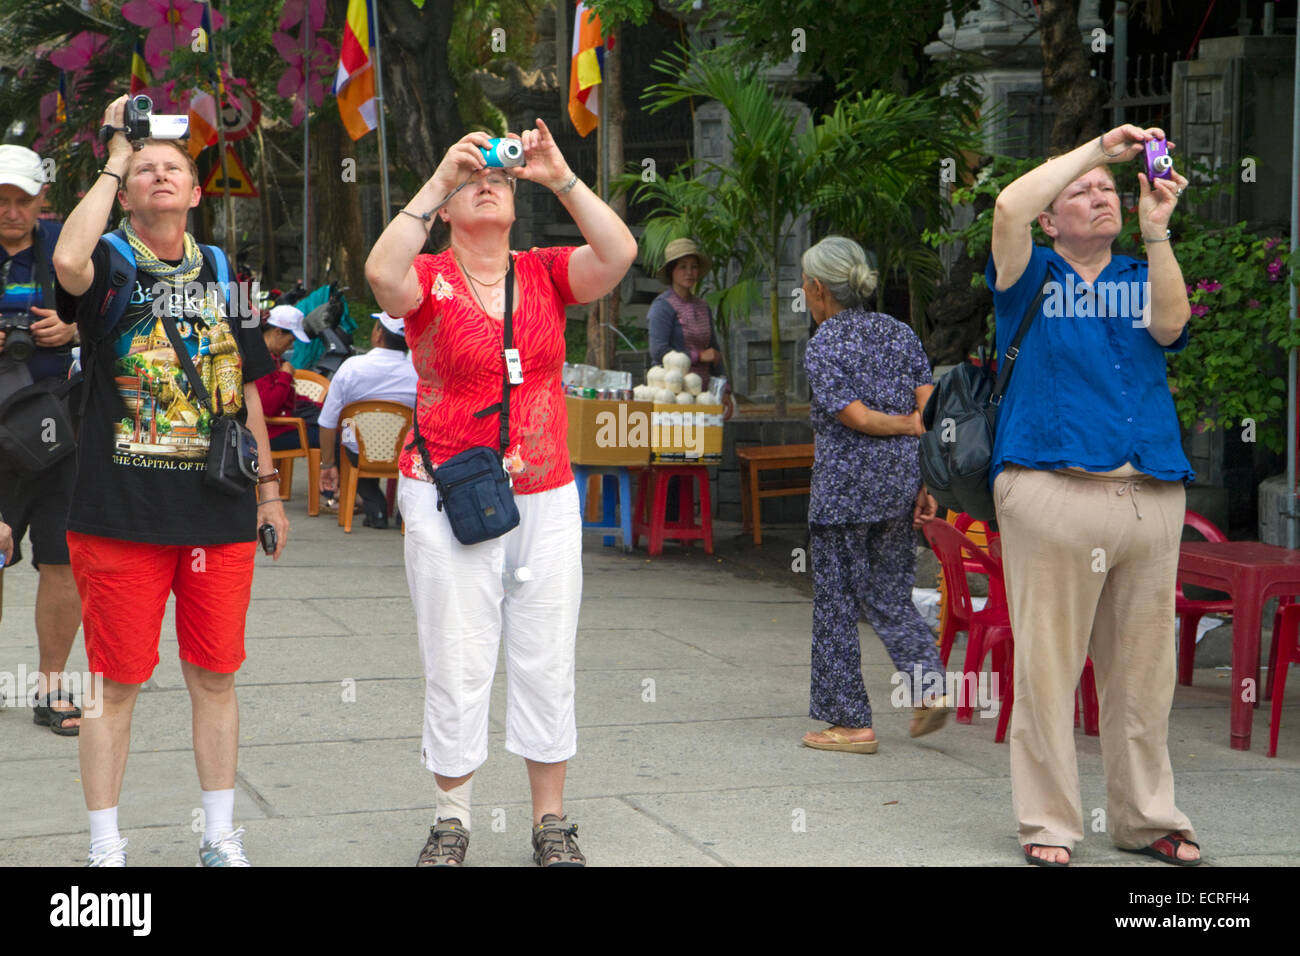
{"x": 502, "y": 406}
{"x": 122, "y": 272}
{"x": 183, "y": 356}
{"x": 1009, "y": 357}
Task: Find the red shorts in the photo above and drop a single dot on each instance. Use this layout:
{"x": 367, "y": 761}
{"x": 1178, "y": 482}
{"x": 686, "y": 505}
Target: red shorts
{"x": 124, "y": 587}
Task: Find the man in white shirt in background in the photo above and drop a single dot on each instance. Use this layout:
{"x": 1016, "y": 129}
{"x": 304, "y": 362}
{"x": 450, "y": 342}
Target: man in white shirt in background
{"x": 385, "y": 373}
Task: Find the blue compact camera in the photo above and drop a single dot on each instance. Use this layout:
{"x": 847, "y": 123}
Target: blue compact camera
{"x": 504, "y": 152}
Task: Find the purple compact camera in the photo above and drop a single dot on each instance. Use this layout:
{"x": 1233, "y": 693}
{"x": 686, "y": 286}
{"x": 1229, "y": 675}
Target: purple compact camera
{"x": 1160, "y": 165}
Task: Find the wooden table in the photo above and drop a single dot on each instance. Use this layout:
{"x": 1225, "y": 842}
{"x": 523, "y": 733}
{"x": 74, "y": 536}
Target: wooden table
{"x": 1251, "y": 573}
{"x": 759, "y": 458}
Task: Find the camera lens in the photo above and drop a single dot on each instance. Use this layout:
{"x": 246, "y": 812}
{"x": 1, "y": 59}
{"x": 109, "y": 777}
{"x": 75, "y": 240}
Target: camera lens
{"x": 511, "y": 149}
{"x": 1162, "y": 163}
{"x": 142, "y": 104}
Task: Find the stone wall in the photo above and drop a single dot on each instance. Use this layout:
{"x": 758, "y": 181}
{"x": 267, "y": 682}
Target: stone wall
{"x": 745, "y": 432}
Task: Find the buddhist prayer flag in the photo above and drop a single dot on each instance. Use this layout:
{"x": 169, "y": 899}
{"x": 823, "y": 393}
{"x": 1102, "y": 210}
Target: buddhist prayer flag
{"x": 203, "y": 122}
{"x": 61, "y": 100}
{"x": 354, "y": 84}
{"x": 139, "y": 70}
{"x": 585, "y": 70}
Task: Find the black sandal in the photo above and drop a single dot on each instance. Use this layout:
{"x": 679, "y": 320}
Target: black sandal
{"x": 44, "y": 715}
{"x": 555, "y": 843}
{"x": 1039, "y": 861}
{"x": 1173, "y": 841}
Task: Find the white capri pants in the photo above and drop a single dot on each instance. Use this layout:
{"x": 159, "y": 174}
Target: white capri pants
{"x": 467, "y": 597}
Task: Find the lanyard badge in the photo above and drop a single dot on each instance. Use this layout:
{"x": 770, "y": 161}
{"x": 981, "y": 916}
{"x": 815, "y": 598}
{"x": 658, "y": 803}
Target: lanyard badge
{"x": 514, "y": 367}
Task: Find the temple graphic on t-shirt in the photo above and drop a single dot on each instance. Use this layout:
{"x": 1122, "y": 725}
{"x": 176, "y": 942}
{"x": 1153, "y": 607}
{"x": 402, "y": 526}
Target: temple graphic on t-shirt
{"x": 165, "y": 418}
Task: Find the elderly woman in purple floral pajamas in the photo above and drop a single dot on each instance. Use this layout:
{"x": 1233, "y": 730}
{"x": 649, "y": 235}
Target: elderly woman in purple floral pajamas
{"x": 869, "y": 379}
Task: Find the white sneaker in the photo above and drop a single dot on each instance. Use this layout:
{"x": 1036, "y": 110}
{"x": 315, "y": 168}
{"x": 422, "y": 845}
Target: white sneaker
{"x": 114, "y": 854}
{"x": 228, "y": 851}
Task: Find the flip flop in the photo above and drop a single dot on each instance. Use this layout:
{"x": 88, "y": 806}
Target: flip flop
{"x": 842, "y": 744}
{"x": 1173, "y": 841}
{"x": 926, "y": 720}
{"x": 1039, "y": 861}
{"x": 45, "y": 715}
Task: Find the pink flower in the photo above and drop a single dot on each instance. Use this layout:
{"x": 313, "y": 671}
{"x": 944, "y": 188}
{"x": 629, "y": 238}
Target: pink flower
{"x": 171, "y": 24}
{"x": 81, "y": 49}
{"x": 1253, "y": 303}
{"x": 1275, "y": 270}
{"x": 1270, "y": 243}
{"x": 1189, "y": 290}
{"x": 1208, "y": 285}
{"x": 303, "y": 85}
{"x": 1200, "y": 310}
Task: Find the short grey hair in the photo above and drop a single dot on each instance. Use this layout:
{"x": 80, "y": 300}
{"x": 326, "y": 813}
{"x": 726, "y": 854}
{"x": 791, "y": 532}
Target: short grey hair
{"x": 841, "y": 265}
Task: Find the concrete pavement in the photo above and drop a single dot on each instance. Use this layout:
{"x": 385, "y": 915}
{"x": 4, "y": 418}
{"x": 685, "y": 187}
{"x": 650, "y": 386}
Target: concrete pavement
{"x": 692, "y": 697}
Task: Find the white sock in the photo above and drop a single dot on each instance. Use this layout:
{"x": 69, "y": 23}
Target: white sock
{"x": 218, "y": 814}
{"x": 103, "y": 828}
{"x": 453, "y": 803}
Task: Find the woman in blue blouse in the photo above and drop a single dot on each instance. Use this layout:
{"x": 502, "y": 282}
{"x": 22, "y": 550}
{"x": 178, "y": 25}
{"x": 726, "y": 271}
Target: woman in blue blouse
{"x": 869, "y": 378}
{"x": 1088, "y": 473}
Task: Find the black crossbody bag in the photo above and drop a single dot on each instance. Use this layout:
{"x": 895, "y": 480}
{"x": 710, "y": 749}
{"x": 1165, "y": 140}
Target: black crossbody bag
{"x": 961, "y": 418}
{"x": 232, "y": 449}
{"x": 473, "y": 487}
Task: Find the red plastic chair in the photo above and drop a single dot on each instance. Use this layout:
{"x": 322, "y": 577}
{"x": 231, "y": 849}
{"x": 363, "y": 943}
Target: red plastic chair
{"x": 1284, "y": 653}
{"x": 953, "y": 618}
{"x": 1190, "y": 612}
{"x": 989, "y": 630}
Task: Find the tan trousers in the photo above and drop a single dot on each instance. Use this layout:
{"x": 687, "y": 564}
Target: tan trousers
{"x": 1090, "y": 570}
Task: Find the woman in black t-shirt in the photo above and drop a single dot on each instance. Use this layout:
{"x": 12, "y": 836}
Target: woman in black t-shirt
{"x": 143, "y": 523}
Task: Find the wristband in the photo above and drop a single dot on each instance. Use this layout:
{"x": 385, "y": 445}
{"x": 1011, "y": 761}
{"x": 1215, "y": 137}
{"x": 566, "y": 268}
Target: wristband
{"x": 1164, "y": 238}
{"x": 267, "y": 479}
{"x": 1102, "y": 146}
{"x": 108, "y": 172}
{"x": 424, "y": 217}
{"x": 573, "y": 181}
{"x": 267, "y": 501}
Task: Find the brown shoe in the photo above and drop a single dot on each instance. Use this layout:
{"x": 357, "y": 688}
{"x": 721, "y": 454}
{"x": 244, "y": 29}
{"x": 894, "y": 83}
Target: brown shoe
{"x": 446, "y": 846}
{"x": 554, "y": 842}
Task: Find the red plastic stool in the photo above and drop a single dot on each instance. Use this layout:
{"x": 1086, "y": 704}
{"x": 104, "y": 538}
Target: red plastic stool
{"x": 652, "y": 492}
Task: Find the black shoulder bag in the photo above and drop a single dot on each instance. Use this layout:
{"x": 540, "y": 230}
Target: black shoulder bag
{"x": 961, "y": 421}
{"x": 473, "y": 487}
{"x": 232, "y": 449}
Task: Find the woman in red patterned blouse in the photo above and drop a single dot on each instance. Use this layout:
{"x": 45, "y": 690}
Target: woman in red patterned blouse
{"x": 525, "y": 586}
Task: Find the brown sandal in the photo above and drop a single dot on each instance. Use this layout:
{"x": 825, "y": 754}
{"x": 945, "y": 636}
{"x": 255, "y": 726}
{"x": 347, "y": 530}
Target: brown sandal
{"x": 554, "y": 843}
{"x": 446, "y": 846}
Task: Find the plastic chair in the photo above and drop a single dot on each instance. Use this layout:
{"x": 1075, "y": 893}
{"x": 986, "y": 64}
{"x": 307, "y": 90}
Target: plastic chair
{"x": 1190, "y": 612}
{"x": 989, "y": 630}
{"x": 616, "y": 493}
{"x": 283, "y": 460}
{"x": 652, "y": 493}
{"x": 949, "y": 622}
{"x": 380, "y": 429}
{"x": 1285, "y": 652}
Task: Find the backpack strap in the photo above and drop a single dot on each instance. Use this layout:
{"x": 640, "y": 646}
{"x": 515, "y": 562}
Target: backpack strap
{"x": 121, "y": 276}
{"x": 221, "y": 266}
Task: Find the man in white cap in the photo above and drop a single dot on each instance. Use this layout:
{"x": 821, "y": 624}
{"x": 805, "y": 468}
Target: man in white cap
{"x": 37, "y": 506}
{"x": 385, "y": 373}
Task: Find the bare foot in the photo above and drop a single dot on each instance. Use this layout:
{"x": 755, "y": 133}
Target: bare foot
{"x": 62, "y": 707}
{"x": 1053, "y": 854}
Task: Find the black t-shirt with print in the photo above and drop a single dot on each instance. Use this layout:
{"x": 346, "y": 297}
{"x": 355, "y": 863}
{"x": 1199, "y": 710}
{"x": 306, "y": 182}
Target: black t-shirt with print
{"x": 143, "y": 446}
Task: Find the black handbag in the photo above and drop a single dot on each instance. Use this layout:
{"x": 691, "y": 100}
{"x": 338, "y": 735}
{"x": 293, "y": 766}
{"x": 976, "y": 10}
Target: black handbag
{"x": 232, "y": 448}
{"x": 473, "y": 486}
{"x": 961, "y": 422}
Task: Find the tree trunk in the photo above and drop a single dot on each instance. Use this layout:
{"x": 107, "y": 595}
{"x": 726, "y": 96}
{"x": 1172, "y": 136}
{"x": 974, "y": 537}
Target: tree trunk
{"x": 337, "y": 204}
{"x": 1078, "y": 96}
{"x": 419, "y": 91}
